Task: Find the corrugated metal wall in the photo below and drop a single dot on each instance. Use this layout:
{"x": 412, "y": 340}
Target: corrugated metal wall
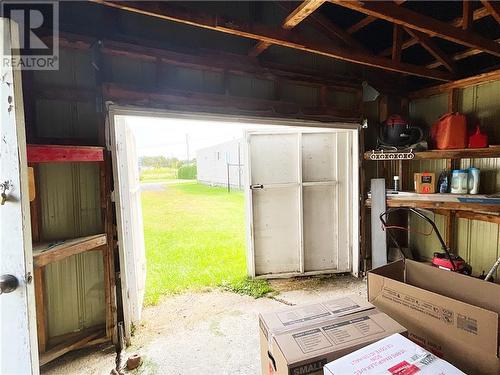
{"x": 70, "y": 200}
{"x": 477, "y": 242}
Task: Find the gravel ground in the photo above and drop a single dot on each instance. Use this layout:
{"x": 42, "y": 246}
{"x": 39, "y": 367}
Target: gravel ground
{"x": 207, "y": 333}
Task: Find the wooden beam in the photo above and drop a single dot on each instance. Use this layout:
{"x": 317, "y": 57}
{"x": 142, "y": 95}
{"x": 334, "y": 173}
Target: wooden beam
{"x": 40, "y": 308}
{"x": 457, "y": 22}
{"x": 366, "y": 21}
{"x": 466, "y": 82}
{"x": 59, "y": 153}
{"x": 333, "y": 30}
{"x": 196, "y": 102}
{"x": 293, "y": 19}
{"x": 410, "y": 19}
{"x": 453, "y": 106}
{"x": 301, "y": 12}
{"x": 79, "y": 341}
{"x": 467, "y": 15}
{"x": 397, "y": 38}
{"x": 493, "y": 8}
{"x": 459, "y": 56}
{"x": 273, "y": 36}
{"x": 45, "y": 253}
{"x": 432, "y": 48}
{"x": 360, "y": 24}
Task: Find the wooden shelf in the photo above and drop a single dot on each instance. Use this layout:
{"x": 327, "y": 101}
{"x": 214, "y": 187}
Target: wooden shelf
{"x": 467, "y": 153}
{"x": 483, "y": 211}
{"x": 62, "y": 153}
{"x": 73, "y": 341}
{"x": 46, "y": 253}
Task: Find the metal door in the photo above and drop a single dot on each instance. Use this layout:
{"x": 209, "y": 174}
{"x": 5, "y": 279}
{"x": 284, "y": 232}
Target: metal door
{"x": 300, "y": 202}
{"x": 18, "y": 341}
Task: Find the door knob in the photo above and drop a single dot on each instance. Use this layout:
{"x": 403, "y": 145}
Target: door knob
{"x": 8, "y": 283}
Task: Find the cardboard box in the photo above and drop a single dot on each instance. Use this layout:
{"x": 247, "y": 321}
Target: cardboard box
{"x": 393, "y": 355}
{"x": 425, "y": 183}
{"x": 301, "y": 339}
{"x": 452, "y": 315}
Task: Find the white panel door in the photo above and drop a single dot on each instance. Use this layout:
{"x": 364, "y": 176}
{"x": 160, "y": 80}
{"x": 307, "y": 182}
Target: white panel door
{"x": 127, "y": 195}
{"x": 300, "y": 202}
{"x": 18, "y": 339}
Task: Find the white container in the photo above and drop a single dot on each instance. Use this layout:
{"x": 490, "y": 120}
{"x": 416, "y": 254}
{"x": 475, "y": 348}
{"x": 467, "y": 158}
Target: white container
{"x": 473, "y": 181}
{"x": 459, "y": 181}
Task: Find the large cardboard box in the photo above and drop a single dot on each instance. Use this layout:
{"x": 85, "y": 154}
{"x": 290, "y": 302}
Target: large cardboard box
{"x": 300, "y": 340}
{"x": 393, "y": 355}
{"x": 452, "y": 315}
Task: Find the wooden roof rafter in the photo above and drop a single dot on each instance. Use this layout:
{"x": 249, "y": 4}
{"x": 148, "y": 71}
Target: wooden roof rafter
{"x": 261, "y": 33}
{"x": 493, "y": 8}
{"x": 457, "y": 22}
{"x": 300, "y": 13}
{"x": 366, "y": 21}
{"x": 421, "y": 23}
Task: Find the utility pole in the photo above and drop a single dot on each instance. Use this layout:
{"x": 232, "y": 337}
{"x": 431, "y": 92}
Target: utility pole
{"x": 187, "y": 147}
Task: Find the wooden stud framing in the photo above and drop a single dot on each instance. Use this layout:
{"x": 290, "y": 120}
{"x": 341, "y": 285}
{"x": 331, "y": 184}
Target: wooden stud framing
{"x": 457, "y": 22}
{"x": 467, "y": 15}
{"x": 273, "y": 36}
{"x": 432, "y": 48}
{"x": 493, "y": 8}
{"x": 361, "y": 24}
{"x": 293, "y": 19}
{"x": 41, "y": 319}
{"x": 459, "y": 56}
{"x": 416, "y": 21}
{"x": 397, "y": 39}
{"x": 462, "y": 83}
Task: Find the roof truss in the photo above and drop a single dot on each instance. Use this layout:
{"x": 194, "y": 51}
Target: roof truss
{"x": 420, "y": 27}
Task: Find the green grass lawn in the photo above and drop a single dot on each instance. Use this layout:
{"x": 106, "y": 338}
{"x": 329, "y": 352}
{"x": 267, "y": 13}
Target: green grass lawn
{"x": 158, "y": 174}
{"x": 195, "y": 238}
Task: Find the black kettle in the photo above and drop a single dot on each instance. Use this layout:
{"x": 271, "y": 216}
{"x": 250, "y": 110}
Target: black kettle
{"x": 396, "y": 132}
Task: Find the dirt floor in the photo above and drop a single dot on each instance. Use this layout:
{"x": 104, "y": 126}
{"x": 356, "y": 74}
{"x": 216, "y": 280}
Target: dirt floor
{"x": 214, "y": 332}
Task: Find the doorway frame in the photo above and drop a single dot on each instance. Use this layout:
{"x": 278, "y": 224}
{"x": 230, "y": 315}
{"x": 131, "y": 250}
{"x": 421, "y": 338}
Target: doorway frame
{"x": 115, "y": 109}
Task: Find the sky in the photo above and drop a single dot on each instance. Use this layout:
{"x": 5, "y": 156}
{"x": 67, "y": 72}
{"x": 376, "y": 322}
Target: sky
{"x": 167, "y": 136}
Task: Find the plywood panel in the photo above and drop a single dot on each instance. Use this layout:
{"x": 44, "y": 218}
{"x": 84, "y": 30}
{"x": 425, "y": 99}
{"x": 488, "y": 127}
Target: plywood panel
{"x": 280, "y": 152}
{"x": 318, "y": 157}
{"x": 276, "y": 227}
{"x": 320, "y": 228}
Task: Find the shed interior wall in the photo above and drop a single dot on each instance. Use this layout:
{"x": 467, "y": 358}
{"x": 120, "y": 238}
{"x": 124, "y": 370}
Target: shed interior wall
{"x": 476, "y": 241}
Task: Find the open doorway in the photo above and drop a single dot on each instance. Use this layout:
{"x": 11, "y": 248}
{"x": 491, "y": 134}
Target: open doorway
{"x": 233, "y": 199}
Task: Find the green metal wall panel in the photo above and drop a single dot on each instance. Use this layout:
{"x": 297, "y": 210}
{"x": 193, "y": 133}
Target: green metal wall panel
{"x": 69, "y": 198}
{"x": 247, "y": 86}
{"x": 424, "y": 112}
{"x": 476, "y": 241}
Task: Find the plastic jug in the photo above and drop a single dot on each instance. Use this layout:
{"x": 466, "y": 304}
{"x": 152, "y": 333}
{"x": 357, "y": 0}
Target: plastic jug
{"x": 459, "y": 181}
{"x": 473, "y": 180}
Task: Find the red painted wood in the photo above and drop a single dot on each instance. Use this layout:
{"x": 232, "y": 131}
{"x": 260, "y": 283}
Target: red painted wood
{"x": 55, "y": 153}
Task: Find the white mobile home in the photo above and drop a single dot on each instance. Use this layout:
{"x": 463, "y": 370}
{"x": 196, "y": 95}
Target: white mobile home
{"x": 222, "y": 164}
